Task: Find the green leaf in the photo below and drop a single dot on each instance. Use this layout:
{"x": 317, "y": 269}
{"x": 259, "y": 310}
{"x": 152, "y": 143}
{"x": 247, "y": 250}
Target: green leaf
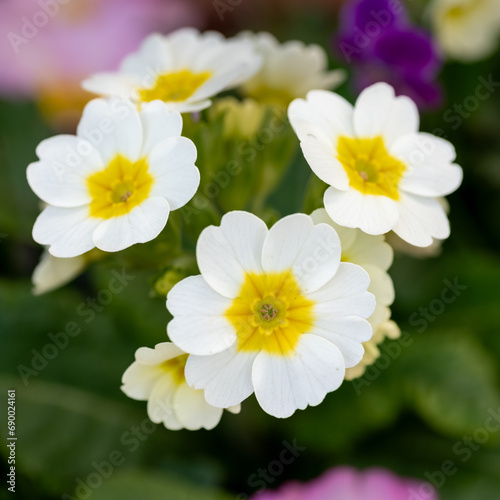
{"x": 345, "y": 417}
{"x": 471, "y": 487}
{"x": 57, "y": 424}
{"x": 135, "y": 484}
{"x": 451, "y": 381}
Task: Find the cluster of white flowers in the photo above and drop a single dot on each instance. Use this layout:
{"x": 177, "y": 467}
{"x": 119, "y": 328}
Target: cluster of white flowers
{"x": 286, "y": 312}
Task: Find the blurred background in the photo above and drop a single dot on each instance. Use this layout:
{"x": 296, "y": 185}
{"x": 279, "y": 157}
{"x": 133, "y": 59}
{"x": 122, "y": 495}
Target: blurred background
{"x": 426, "y": 401}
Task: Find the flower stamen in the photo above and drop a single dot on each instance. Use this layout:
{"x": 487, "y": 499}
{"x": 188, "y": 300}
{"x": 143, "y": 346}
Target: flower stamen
{"x": 268, "y": 312}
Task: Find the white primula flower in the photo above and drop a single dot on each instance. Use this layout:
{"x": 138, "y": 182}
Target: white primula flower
{"x": 289, "y": 70}
{"x": 184, "y": 69}
{"x": 157, "y": 375}
{"x": 466, "y": 30}
{"x": 375, "y": 256}
{"x": 115, "y": 182}
{"x": 273, "y": 312}
{"x": 52, "y": 272}
{"x": 383, "y": 174}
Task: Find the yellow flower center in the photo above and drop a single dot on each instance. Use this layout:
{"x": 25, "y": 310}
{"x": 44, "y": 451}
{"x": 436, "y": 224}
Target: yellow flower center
{"x": 270, "y": 313}
{"x": 458, "y": 12}
{"x": 369, "y": 166}
{"x": 175, "y": 367}
{"x": 176, "y": 87}
{"x": 120, "y": 187}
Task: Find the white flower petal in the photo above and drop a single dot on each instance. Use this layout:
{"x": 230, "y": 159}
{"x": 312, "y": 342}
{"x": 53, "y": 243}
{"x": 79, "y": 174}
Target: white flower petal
{"x": 346, "y": 235}
{"x": 59, "y": 177}
{"x": 421, "y": 219}
{"x": 219, "y": 81}
{"x": 185, "y": 41}
{"x": 324, "y": 114}
{"x": 193, "y": 411}
{"x": 152, "y": 58}
{"x": 158, "y": 123}
{"x": 192, "y": 48}
{"x": 380, "y": 284}
{"x": 311, "y": 251}
{"x": 176, "y": 178}
{"x": 285, "y": 384}
{"x": 379, "y": 112}
{"x": 161, "y": 407}
{"x": 372, "y": 214}
{"x": 138, "y": 380}
{"x": 53, "y": 272}
{"x": 234, "y": 409}
{"x": 380, "y": 315}
{"x": 226, "y": 377}
{"x": 113, "y": 127}
{"x": 143, "y": 223}
{"x": 189, "y": 107}
{"x": 345, "y": 294}
{"x": 370, "y": 249}
{"x": 67, "y": 231}
{"x": 61, "y": 187}
{"x": 199, "y": 325}
{"x": 70, "y": 151}
{"x": 346, "y": 333}
{"x": 162, "y": 352}
{"x": 226, "y": 253}
{"x": 330, "y": 80}
{"x": 429, "y": 168}
{"x": 358, "y": 247}
{"x": 232, "y": 62}
{"x": 322, "y": 158}
{"x": 111, "y": 84}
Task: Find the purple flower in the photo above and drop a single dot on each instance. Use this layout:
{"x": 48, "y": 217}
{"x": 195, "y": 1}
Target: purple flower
{"x": 346, "y": 483}
{"x": 378, "y": 40}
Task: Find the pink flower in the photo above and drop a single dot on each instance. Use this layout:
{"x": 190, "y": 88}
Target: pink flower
{"x": 49, "y": 46}
{"x": 346, "y": 483}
